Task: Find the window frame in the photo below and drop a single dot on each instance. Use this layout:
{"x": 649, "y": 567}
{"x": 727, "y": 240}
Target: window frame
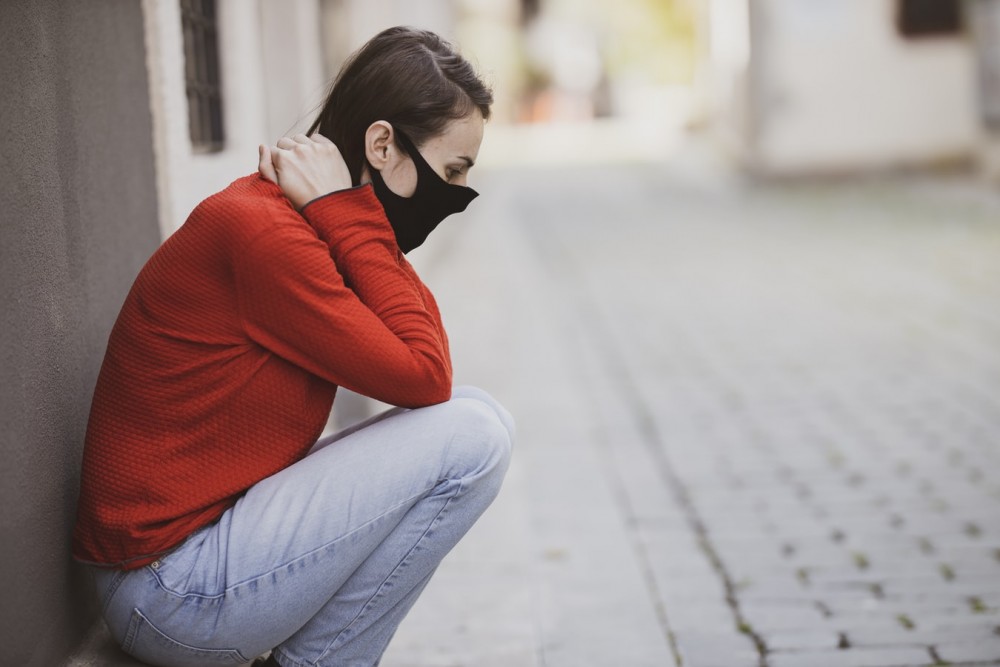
{"x": 922, "y": 19}
{"x": 202, "y": 75}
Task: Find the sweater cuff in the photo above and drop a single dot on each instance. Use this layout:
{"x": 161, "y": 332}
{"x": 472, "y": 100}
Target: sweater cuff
{"x": 328, "y": 194}
{"x": 345, "y": 219}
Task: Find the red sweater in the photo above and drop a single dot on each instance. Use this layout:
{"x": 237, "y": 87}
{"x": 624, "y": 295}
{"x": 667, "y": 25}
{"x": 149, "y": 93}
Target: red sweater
{"x": 223, "y": 364}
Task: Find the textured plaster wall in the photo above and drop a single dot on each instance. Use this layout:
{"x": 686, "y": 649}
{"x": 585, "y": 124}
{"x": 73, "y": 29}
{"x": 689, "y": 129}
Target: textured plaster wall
{"x": 78, "y": 217}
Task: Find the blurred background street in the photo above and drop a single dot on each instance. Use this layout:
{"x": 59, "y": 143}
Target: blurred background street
{"x": 735, "y": 270}
{"x": 757, "y": 421}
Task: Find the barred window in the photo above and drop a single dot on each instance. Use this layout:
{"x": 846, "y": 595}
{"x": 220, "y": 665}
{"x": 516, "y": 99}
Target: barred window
{"x": 928, "y": 18}
{"x": 201, "y": 73}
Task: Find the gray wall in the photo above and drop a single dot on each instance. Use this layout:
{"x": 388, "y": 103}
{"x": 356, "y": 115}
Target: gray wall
{"x": 77, "y": 220}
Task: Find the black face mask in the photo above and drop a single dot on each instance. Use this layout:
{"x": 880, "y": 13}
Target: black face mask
{"x": 414, "y": 218}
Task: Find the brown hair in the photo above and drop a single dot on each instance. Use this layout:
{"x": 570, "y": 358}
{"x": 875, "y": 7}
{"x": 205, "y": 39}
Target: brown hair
{"x": 410, "y": 78}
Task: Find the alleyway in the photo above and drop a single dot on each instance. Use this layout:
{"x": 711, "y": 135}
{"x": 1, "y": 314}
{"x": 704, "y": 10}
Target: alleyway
{"x": 758, "y": 425}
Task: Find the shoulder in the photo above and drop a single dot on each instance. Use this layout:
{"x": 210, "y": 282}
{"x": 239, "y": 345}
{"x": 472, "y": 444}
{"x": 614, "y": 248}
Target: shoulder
{"x": 246, "y": 208}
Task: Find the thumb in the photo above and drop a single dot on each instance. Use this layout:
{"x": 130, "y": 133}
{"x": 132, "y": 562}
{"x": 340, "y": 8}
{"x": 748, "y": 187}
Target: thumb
{"x": 265, "y": 167}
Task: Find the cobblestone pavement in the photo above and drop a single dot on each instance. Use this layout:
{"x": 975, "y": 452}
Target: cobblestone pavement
{"x": 758, "y": 425}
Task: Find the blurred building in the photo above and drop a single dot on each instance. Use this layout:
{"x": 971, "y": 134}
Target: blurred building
{"x": 225, "y": 76}
{"x": 816, "y": 87}
{"x": 984, "y": 17}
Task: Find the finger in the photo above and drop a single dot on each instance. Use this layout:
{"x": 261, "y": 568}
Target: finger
{"x": 320, "y": 139}
{"x": 265, "y": 166}
{"x": 287, "y": 143}
{"x": 301, "y": 139}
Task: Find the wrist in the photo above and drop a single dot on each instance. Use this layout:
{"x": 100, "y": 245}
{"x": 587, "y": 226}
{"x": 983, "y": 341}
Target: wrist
{"x": 319, "y": 197}
{"x": 346, "y": 219}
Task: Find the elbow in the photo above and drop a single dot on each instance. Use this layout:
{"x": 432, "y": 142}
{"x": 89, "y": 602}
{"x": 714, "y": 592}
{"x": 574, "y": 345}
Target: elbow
{"x": 423, "y": 381}
{"x": 441, "y": 391}
{"x": 438, "y": 390}
{"x": 429, "y": 390}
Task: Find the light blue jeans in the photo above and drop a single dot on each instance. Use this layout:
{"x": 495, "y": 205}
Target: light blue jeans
{"x": 322, "y": 560}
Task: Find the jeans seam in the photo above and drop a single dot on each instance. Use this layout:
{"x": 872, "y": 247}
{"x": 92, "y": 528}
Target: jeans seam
{"x": 112, "y": 589}
{"x": 393, "y": 574}
{"x": 286, "y": 660}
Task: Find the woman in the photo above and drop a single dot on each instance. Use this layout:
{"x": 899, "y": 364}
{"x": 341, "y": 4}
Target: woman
{"x": 216, "y": 526}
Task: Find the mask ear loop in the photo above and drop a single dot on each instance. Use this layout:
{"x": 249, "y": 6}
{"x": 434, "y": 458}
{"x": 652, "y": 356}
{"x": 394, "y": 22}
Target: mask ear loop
{"x": 404, "y": 141}
{"x": 419, "y": 161}
{"x": 422, "y": 166}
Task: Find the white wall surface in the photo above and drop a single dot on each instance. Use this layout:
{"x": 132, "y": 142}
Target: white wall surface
{"x": 836, "y": 88}
{"x": 272, "y": 79}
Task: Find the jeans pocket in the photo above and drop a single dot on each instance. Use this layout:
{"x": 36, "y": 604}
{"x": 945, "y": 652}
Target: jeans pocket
{"x": 147, "y": 643}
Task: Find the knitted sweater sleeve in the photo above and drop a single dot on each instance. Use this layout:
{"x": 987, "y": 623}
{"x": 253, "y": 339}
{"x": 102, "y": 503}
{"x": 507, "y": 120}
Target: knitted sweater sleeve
{"x": 429, "y": 302}
{"x": 362, "y": 320}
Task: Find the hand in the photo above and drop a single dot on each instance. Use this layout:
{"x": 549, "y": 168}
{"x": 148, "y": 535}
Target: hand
{"x": 304, "y": 167}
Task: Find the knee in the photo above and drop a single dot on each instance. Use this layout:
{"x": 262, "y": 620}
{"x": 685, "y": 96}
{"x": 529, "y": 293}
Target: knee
{"x": 477, "y": 394}
{"x": 482, "y": 440}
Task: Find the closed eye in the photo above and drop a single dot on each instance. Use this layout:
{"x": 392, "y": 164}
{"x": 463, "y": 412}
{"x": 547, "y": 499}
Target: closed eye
{"x": 454, "y": 172}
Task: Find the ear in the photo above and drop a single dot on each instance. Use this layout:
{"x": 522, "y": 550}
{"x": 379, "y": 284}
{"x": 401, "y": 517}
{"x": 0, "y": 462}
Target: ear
{"x": 380, "y": 147}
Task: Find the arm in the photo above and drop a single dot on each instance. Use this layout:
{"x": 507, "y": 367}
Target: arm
{"x": 365, "y": 251}
{"x": 360, "y": 320}
{"x": 314, "y": 177}
{"x": 429, "y": 301}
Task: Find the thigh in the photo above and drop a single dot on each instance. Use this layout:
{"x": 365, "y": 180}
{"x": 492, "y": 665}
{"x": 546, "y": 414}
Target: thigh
{"x": 339, "y": 494}
{"x": 343, "y": 433}
{"x": 276, "y": 558}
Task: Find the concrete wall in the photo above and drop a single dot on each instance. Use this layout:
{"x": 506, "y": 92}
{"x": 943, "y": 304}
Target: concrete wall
{"x": 78, "y": 217}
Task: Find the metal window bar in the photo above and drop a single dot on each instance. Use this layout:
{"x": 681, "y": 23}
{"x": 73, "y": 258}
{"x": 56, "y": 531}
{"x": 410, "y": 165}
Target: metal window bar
{"x": 202, "y": 74}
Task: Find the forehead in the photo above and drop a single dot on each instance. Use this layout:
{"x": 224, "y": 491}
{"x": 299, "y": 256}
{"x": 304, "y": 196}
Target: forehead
{"x": 461, "y": 137}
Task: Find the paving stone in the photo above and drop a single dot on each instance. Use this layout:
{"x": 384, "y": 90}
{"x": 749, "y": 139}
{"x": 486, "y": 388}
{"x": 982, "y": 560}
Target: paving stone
{"x": 921, "y": 635}
{"x": 707, "y": 648}
{"x": 767, "y": 615}
{"x": 981, "y": 650}
{"x": 703, "y": 616}
{"x": 801, "y": 639}
{"x": 869, "y": 657}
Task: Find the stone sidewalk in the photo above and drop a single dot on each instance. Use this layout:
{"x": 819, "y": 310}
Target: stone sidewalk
{"x": 759, "y": 425}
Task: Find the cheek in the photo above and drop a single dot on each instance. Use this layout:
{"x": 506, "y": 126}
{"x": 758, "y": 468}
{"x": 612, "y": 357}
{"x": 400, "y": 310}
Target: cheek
{"x": 403, "y": 179}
